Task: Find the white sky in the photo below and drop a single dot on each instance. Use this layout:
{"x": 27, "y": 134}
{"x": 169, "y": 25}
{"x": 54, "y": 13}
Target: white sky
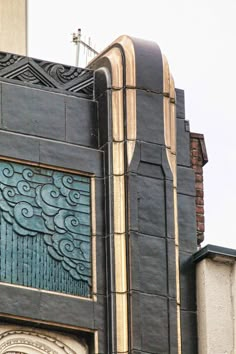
{"x": 198, "y": 38}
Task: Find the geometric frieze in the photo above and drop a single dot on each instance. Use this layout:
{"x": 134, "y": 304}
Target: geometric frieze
{"x": 46, "y": 74}
{"x": 45, "y": 228}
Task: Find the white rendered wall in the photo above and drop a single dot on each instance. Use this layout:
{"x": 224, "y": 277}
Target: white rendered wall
{"x": 13, "y": 26}
{"x": 216, "y": 303}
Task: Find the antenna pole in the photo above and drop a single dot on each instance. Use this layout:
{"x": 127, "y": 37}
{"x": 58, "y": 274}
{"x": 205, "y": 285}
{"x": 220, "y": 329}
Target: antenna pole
{"x": 87, "y": 46}
{"x": 77, "y": 40}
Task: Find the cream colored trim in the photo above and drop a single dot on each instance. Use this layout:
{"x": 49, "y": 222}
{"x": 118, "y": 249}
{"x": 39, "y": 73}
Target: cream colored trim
{"x": 93, "y": 241}
{"x": 170, "y": 141}
{"x": 96, "y": 349}
{"x": 51, "y": 167}
{"x": 114, "y": 53}
{"x": 49, "y": 323}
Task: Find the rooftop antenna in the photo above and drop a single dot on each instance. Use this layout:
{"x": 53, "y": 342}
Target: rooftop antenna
{"x": 88, "y": 48}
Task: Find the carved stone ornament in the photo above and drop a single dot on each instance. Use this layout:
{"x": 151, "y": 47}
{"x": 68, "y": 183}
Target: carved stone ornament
{"x": 45, "y": 229}
{"x": 46, "y": 74}
{"x": 20, "y": 340}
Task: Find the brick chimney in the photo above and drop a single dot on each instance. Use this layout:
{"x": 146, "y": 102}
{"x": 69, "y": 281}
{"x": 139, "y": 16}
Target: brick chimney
{"x": 199, "y": 159}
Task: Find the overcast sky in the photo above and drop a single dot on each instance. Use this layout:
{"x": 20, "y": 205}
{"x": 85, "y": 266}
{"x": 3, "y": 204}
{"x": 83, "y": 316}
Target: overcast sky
{"x": 198, "y": 38}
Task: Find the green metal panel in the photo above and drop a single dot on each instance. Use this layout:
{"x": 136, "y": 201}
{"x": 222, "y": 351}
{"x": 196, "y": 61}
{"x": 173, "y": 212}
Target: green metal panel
{"x": 45, "y": 229}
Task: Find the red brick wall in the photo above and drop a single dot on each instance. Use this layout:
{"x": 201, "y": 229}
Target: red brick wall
{"x": 199, "y": 159}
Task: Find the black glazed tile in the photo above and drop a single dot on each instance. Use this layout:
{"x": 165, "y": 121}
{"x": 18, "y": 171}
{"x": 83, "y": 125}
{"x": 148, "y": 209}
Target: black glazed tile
{"x": 81, "y": 122}
{"x": 189, "y": 332}
{"x": 32, "y": 111}
{"x": 187, "y": 282}
{"x": 186, "y": 181}
{"x": 149, "y": 66}
{"x": 187, "y": 223}
{"x": 183, "y": 144}
{"x": 19, "y": 146}
{"x": 71, "y": 156}
{"x": 150, "y": 121}
{"x": 151, "y": 206}
{"x": 180, "y": 103}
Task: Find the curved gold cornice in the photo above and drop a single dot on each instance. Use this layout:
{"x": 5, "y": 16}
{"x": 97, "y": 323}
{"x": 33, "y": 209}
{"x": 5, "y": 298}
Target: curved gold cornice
{"x": 121, "y": 57}
{"x": 169, "y": 108}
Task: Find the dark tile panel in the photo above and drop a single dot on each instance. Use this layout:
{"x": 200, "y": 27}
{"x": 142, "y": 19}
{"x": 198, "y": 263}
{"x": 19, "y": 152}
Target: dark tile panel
{"x": 150, "y": 170}
{"x": 173, "y": 327}
{"x": 33, "y": 111}
{"x": 19, "y": 146}
{"x": 150, "y": 126}
{"x": 151, "y": 153}
{"x": 108, "y": 166}
{"x": 102, "y": 78}
{"x": 187, "y": 282}
{"x": 169, "y": 201}
{"x": 101, "y": 271}
{"x": 132, "y": 183}
{"x": 81, "y": 122}
{"x": 108, "y": 201}
{"x": 100, "y": 206}
{"x": 49, "y": 307}
{"x": 104, "y": 118}
{"x": 149, "y": 66}
{"x": 67, "y": 310}
{"x": 187, "y": 223}
{"x": 149, "y": 324}
{"x": 180, "y": 103}
{"x": 149, "y": 264}
{"x": 103, "y": 97}
{"x": 183, "y": 143}
{"x": 186, "y": 181}
{"x": 171, "y": 262}
{"x": 20, "y": 301}
{"x": 100, "y": 320}
{"x": 189, "y": 332}
{"x": 154, "y": 320}
{"x": 111, "y": 323}
{"x": 136, "y": 321}
{"x": 151, "y": 206}
{"x": 71, "y": 156}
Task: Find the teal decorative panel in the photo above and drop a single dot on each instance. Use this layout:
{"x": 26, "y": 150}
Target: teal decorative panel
{"x": 45, "y": 229}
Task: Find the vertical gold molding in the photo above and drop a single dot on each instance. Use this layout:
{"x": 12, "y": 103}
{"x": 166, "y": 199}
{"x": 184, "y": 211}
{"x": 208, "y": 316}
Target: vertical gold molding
{"x": 93, "y": 229}
{"x": 170, "y": 141}
{"x": 123, "y": 75}
{"x": 96, "y": 349}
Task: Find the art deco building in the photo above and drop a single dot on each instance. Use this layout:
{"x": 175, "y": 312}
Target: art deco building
{"x": 101, "y": 205}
